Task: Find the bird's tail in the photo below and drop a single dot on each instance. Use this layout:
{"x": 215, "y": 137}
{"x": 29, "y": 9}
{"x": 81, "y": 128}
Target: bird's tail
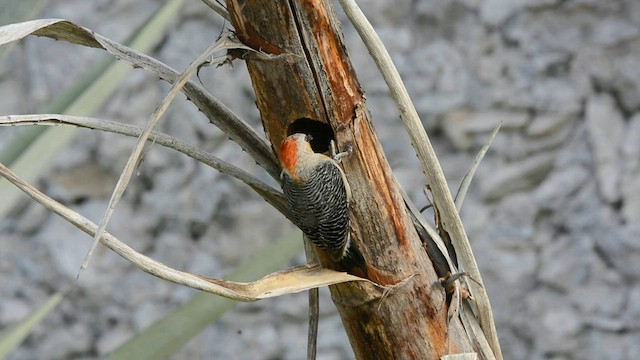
{"x": 353, "y": 262}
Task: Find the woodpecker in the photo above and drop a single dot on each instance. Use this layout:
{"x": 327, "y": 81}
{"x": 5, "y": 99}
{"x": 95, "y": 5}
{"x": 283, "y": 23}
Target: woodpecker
{"x": 318, "y": 195}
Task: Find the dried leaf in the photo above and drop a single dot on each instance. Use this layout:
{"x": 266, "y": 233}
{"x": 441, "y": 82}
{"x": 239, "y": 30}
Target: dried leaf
{"x": 220, "y": 115}
{"x": 276, "y": 284}
{"x": 271, "y": 195}
{"x": 288, "y": 281}
{"x": 466, "y": 180}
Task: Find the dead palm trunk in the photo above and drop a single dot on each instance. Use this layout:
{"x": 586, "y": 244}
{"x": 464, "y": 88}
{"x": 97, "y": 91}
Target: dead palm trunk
{"x": 306, "y": 84}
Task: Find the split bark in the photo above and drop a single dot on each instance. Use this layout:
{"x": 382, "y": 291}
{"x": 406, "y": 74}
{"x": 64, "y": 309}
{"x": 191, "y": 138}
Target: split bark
{"x": 309, "y": 76}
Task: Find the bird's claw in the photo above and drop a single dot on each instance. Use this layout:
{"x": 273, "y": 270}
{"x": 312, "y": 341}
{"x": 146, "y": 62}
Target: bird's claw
{"x": 335, "y": 155}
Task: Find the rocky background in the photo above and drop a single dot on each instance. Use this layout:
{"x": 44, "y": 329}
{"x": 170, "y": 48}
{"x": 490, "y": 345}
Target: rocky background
{"x": 553, "y": 214}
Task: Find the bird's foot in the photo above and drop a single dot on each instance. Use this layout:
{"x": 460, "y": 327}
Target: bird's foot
{"x": 338, "y": 156}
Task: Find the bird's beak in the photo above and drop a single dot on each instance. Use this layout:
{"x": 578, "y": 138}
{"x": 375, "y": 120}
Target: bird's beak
{"x": 308, "y": 137}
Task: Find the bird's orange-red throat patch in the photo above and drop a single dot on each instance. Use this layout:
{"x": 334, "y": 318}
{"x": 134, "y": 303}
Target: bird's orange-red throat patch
{"x": 289, "y": 155}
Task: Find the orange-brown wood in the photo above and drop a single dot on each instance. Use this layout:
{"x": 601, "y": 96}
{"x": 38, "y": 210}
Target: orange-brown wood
{"x": 313, "y": 78}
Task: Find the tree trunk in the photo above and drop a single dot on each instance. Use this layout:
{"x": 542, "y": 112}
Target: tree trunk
{"x": 308, "y": 83}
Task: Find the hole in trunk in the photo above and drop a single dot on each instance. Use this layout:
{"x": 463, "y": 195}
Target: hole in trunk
{"x": 322, "y": 133}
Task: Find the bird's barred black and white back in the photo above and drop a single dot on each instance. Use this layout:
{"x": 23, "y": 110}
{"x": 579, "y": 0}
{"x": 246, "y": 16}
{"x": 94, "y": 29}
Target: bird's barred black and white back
{"x": 320, "y": 207}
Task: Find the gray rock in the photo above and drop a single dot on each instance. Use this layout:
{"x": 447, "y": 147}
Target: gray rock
{"x": 66, "y": 245}
{"x": 556, "y": 190}
{"x": 565, "y": 263}
{"x": 517, "y": 176}
{"x": 439, "y": 78}
{"x": 381, "y": 13}
{"x": 505, "y": 254}
{"x": 592, "y": 212}
{"x": 594, "y": 298}
{"x": 31, "y": 219}
{"x": 630, "y": 187}
{"x": 9, "y": 104}
{"x": 332, "y": 337}
{"x": 605, "y": 7}
{"x": 606, "y": 128}
{"x": 558, "y": 326}
{"x": 546, "y": 31}
{"x": 256, "y": 341}
{"x": 606, "y": 323}
{"x": 632, "y": 10}
{"x": 632, "y": 312}
{"x": 18, "y": 269}
{"x": 430, "y": 9}
{"x": 592, "y": 63}
{"x": 138, "y": 287}
{"x": 475, "y": 215}
{"x": 612, "y": 31}
{"x": 559, "y": 96}
{"x": 511, "y": 342}
{"x": 453, "y": 126}
{"x": 541, "y": 3}
{"x": 550, "y": 63}
{"x": 545, "y": 124}
{"x": 620, "y": 249}
{"x": 626, "y": 81}
{"x": 113, "y": 338}
{"x": 495, "y": 12}
{"x": 296, "y": 307}
{"x": 516, "y": 146}
{"x": 576, "y": 149}
{"x": 514, "y": 221}
{"x": 461, "y": 126}
{"x": 13, "y": 310}
{"x": 512, "y": 274}
{"x": 560, "y": 329}
{"x": 597, "y": 344}
{"x": 65, "y": 342}
{"x": 147, "y": 314}
{"x": 82, "y": 181}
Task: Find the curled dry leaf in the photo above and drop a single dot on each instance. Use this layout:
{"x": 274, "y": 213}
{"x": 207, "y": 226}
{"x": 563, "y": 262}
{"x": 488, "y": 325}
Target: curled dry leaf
{"x": 239, "y": 131}
{"x": 238, "y": 50}
{"x": 136, "y": 154}
{"x": 466, "y": 180}
{"x": 270, "y": 194}
{"x": 288, "y": 281}
{"x": 219, "y": 115}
